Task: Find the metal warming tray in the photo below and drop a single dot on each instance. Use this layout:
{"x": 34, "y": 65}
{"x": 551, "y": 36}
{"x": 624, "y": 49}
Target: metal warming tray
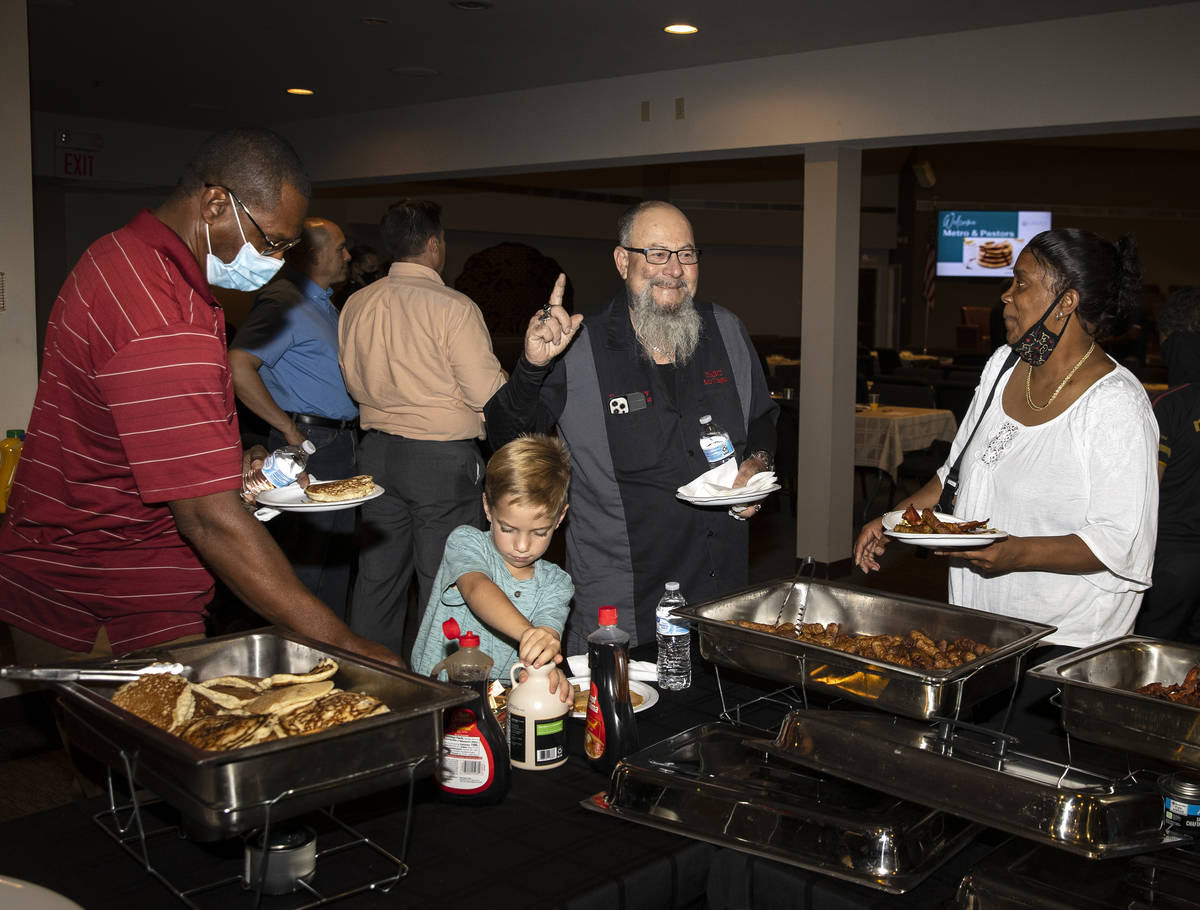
{"x": 977, "y": 774}
{"x": 221, "y": 794}
{"x": 900, "y": 690}
{"x": 1100, "y": 706}
{"x": 717, "y": 784}
{"x": 1019, "y": 875}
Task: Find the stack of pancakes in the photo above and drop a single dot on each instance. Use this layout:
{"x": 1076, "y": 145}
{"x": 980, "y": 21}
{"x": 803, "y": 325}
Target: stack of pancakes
{"x": 231, "y": 712}
{"x": 995, "y": 254}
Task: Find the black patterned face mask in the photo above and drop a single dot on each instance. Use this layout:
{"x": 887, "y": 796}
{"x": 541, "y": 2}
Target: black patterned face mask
{"x": 1038, "y": 342}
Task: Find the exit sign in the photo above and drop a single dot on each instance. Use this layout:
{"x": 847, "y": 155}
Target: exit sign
{"x": 74, "y": 163}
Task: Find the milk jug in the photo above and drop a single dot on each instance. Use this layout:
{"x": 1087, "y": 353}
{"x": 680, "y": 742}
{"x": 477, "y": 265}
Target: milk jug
{"x": 537, "y": 720}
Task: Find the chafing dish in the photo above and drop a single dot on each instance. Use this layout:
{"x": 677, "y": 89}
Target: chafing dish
{"x": 1019, "y": 875}
{"x": 1100, "y": 706}
{"x": 980, "y": 775}
{"x": 716, "y": 783}
{"x": 914, "y": 693}
{"x": 223, "y": 793}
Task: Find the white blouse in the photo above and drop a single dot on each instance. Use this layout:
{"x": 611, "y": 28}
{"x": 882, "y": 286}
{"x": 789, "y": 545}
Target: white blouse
{"x": 1091, "y": 471}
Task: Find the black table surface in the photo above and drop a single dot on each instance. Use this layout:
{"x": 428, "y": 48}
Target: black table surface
{"x": 538, "y": 848}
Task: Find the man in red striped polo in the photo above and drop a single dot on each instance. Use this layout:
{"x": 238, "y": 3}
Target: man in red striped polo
{"x": 126, "y": 496}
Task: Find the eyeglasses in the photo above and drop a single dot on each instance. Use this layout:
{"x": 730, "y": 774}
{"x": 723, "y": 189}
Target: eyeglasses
{"x": 273, "y": 246}
{"x": 658, "y": 256}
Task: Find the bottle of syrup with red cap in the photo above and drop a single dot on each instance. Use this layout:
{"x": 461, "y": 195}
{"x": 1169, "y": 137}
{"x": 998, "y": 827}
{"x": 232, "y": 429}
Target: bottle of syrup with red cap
{"x": 474, "y": 766}
{"x": 611, "y": 732}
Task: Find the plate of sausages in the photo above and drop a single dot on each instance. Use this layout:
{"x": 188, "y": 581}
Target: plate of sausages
{"x": 937, "y": 530}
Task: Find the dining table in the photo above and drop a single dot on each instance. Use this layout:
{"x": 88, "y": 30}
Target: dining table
{"x": 883, "y": 434}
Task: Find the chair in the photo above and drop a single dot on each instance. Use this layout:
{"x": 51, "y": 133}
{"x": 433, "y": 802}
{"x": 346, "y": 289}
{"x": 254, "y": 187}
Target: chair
{"x": 971, "y": 376}
{"x": 888, "y": 360}
{"x": 955, "y": 397}
{"x": 905, "y": 395}
{"x": 918, "y": 374}
{"x": 981, "y": 318}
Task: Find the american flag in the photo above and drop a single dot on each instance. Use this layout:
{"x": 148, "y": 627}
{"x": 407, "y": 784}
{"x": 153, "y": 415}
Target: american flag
{"x": 927, "y": 285}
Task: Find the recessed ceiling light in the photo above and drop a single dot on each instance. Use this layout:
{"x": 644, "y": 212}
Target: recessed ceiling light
{"x": 681, "y": 28}
{"x": 300, "y": 91}
{"x": 472, "y": 6}
{"x": 414, "y": 71}
{"x": 373, "y": 20}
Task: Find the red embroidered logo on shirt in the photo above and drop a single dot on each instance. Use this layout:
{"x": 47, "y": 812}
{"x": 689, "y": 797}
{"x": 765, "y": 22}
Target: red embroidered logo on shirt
{"x": 715, "y": 377}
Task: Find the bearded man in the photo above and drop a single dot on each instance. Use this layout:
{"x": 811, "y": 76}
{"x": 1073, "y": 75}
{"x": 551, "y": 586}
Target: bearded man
{"x": 627, "y": 397}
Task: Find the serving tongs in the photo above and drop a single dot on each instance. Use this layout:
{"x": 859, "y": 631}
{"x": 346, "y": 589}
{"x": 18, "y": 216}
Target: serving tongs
{"x": 809, "y": 562}
{"x": 118, "y": 671}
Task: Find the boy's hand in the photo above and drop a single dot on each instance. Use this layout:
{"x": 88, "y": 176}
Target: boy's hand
{"x": 539, "y": 645}
{"x": 560, "y": 684}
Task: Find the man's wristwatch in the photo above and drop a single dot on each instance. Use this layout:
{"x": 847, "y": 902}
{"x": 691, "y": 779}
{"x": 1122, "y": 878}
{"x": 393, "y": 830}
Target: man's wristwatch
{"x": 765, "y": 457}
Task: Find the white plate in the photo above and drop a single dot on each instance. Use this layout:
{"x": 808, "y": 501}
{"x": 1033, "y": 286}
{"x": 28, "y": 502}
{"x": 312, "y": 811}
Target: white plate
{"x": 648, "y": 692}
{"x": 292, "y": 499}
{"x": 731, "y": 499}
{"x": 939, "y": 541}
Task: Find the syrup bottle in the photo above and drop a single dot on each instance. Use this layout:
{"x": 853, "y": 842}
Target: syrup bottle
{"x": 537, "y": 720}
{"x": 611, "y": 732}
{"x": 474, "y": 765}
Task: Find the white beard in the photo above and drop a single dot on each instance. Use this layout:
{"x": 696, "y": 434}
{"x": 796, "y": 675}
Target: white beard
{"x": 674, "y": 332}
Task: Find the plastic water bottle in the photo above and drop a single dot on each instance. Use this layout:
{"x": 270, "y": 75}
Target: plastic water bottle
{"x": 717, "y": 446}
{"x": 281, "y": 468}
{"x": 674, "y": 642}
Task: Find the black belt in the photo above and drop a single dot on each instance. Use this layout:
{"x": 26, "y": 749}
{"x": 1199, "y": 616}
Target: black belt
{"x": 313, "y": 420}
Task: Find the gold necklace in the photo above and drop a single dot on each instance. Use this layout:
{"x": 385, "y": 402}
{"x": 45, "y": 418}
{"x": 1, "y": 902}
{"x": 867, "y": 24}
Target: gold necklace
{"x": 1061, "y": 385}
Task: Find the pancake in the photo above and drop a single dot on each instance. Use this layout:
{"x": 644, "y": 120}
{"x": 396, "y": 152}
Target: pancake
{"x": 163, "y": 699}
{"x": 228, "y": 698}
{"x": 222, "y": 732}
{"x": 287, "y": 698}
{"x": 341, "y": 490}
{"x": 325, "y": 668}
{"x": 329, "y": 711}
{"x": 231, "y": 683}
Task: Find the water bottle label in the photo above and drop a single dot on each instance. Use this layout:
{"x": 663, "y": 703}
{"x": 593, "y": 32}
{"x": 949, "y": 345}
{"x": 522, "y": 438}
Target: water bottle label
{"x": 716, "y": 448}
{"x": 666, "y": 627}
{"x": 275, "y": 471}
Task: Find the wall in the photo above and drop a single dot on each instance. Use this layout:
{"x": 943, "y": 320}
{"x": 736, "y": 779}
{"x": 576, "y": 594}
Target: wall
{"x": 1151, "y": 193}
{"x": 18, "y": 345}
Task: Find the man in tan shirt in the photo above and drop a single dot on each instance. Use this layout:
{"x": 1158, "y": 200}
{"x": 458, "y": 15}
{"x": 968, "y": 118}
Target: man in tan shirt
{"x": 417, "y": 357}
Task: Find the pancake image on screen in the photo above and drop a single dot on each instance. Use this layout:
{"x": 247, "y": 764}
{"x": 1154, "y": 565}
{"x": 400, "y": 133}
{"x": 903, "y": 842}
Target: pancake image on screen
{"x": 995, "y": 254}
{"x": 341, "y": 490}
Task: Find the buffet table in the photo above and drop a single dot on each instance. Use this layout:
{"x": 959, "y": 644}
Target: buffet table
{"x": 539, "y": 848}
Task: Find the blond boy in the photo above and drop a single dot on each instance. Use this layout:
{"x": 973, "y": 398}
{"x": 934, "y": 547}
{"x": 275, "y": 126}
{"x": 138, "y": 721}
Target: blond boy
{"x": 495, "y": 582}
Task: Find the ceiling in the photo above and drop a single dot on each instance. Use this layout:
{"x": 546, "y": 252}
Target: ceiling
{"x": 219, "y": 63}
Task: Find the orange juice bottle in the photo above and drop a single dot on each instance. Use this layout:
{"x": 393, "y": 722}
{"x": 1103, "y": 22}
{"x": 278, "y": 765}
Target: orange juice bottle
{"x": 10, "y": 453}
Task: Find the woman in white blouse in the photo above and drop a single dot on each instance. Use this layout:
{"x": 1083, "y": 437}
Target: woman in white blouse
{"x": 1064, "y": 458}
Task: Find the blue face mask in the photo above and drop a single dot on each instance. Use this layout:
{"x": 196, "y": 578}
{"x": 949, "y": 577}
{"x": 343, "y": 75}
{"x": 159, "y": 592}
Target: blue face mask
{"x": 250, "y": 269}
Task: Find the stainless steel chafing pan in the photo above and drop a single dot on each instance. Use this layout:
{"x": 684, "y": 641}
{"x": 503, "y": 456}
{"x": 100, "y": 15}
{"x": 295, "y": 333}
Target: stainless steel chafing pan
{"x": 1092, "y": 814}
{"x": 716, "y": 783}
{"x": 222, "y": 793}
{"x": 914, "y": 693}
{"x": 1099, "y": 703}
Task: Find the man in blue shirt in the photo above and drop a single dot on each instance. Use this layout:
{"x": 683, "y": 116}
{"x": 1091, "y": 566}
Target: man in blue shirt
{"x": 284, "y": 361}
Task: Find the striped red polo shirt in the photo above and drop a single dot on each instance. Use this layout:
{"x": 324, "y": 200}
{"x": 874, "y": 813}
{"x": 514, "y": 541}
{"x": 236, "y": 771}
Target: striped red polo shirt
{"x": 134, "y": 409}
